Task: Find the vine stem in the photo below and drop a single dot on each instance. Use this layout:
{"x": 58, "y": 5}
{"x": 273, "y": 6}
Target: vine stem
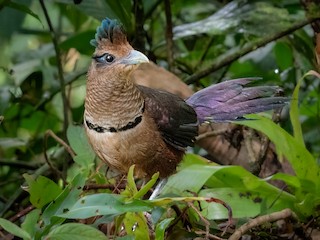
{"x": 60, "y": 69}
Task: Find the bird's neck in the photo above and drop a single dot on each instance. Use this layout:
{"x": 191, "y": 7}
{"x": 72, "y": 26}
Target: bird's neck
{"x": 112, "y": 102}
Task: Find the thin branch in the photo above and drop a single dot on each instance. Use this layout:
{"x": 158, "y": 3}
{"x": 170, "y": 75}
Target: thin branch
{"x": 247, "y": 49}
{"x": 211, "y": 134}
{"x": 203, "y": 219}
{"x": 60, "y": 68}
{"x": 286, "y": 213}
{"x": 206, "y": 48}
{"x": 22, "y": 213}
{"x": 169, "y": 34}
{"x": 63, "y": 143}
{"x": 210, "y": 236}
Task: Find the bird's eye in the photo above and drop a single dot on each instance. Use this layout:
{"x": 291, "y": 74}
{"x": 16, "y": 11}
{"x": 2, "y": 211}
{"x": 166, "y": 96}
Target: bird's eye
{"x": 105, "y": 58}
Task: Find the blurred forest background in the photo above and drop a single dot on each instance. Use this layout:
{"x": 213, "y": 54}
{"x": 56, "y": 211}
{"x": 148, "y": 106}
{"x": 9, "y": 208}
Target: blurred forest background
{"x": 45, "y": 53}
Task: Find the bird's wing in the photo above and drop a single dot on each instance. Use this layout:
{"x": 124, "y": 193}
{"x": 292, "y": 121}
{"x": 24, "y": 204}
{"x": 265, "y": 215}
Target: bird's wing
{"x": 230, "y": 100}
{"x": 176, "y": 120}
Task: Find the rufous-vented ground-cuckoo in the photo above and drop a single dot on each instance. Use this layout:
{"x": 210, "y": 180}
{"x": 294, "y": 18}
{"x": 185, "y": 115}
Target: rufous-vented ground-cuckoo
{"x": 130, "y": 124}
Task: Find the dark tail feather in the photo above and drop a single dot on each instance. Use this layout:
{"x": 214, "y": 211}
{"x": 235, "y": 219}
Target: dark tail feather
{"x": 230, "y": 100}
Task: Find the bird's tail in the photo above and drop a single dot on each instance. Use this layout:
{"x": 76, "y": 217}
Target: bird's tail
{"x": 230, "y": 100}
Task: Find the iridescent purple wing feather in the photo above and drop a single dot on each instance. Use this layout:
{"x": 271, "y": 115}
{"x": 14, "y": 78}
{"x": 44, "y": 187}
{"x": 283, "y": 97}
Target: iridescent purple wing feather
{"x": 230, "y": 100}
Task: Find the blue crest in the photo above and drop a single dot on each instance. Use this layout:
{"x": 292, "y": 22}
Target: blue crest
{"x": 106, "y": 31}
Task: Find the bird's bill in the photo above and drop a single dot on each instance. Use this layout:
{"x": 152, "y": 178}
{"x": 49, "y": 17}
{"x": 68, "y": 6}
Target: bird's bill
{"x": 134, "y": 57}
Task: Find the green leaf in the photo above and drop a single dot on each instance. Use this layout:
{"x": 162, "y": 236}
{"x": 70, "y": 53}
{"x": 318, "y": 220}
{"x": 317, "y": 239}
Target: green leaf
{"x": 65, "y": 200}
{"x": 294, "y": 114}
{"x": 243, "y": 202}
{"x": 303, "y": 163}
{"x": 75, "y": 231}
{"x": 193, "y": 159}
{"x": 42, "y": 190}
{"x": 136, "y": 225}
{"x": 161, "y": 228}
{"x": 30, "y": 222}
{"x": 23, "y": 8}
{"x": 181, "y": 181}
{"x": 14, "y": 229}
{"x": 146, "y": 187}
{"x": 128, "y": 237}
{"x": 228, "y": 183}
{"x": 104, "y": 204}
{"x": 131, "y": 188}
{"x": 291, "y": 181}
{"x": 79, "y": 41}
{"x": 166, "y": 201}
{"x": 283, "y": 54}
{"x": 308, "y": 205}
{"x": 80, "y": 145}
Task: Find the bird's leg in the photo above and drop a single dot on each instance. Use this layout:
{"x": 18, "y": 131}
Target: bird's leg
{"x": 158, "y": 188}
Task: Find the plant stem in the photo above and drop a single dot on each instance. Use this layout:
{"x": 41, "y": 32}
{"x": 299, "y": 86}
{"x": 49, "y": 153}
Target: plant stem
{"x": 60, "y": 69}
{"x": 169, "y": 34}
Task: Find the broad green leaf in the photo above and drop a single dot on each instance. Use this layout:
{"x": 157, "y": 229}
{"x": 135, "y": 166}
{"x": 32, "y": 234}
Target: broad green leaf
{"x": 183, "y": 180}
{"x": 42, "y": 190}
{"x": 213, "y": 176}
{"x": 243, "y": 202}
{"x": 80, "y": 145}
{"x": 30, "y": 222}
{"x": 104, "y": 204}
{"x": 161, "y": 228}
{"x": 238, "y": 177}
{"x": 291, "y": 181}
{"x": 193, "y": 159}
{"x": 308, "y": 205}
{"x": 75, "y": 231}
{"x": 14, "y": 229}
{"x": 226, "y": 181}
{"x": 136, "y": 225}
{"x": 299, "y": 157}
{"x": 65, "y": 200}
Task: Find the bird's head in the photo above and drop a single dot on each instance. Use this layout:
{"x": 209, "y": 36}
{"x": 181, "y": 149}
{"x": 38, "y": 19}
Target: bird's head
{"x": 113, "y": 50}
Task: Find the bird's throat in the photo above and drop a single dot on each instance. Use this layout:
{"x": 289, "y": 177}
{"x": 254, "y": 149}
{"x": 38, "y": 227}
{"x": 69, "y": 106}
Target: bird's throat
{"x": 113, "y": 104}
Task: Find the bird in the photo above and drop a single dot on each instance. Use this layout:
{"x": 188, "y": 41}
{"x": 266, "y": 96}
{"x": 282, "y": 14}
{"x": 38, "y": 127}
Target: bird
{"x": 129, "y": 124}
